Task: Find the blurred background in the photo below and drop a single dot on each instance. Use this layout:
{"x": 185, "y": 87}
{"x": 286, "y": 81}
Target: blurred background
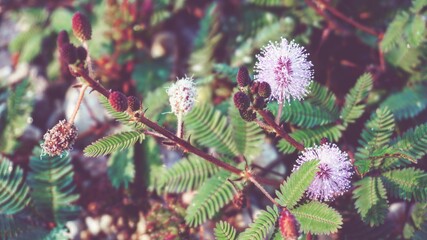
{"x": 139, "y": 47}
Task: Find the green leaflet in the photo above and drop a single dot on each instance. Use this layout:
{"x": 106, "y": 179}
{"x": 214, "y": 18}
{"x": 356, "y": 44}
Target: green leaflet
{"x": 317, "y": 218}
{"x": 262, "y": 225}
{"x": 113, "y": 143}
{"x": 292, "y": 190}
{"x": 407, "y": 184}
{"x": 224, "y": 231}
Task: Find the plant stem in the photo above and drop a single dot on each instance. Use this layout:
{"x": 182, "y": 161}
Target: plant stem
{"x": 179, "y": 130}
{"x": 279, "y": 113}
{"x": 262, "y": 189}
{"x": 79, "y": 102}
{"x": 264, "y": 114}
{"x": 88, "y": 59}
{"x": 179, "y": 141}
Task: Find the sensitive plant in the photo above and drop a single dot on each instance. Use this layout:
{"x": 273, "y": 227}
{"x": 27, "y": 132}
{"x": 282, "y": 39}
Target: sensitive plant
{"x": 334, "y": 183}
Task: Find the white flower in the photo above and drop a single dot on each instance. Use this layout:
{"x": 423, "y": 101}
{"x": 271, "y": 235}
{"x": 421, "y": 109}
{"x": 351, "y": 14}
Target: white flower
{"x": 333, "y": 176}
{"x": 182, "y": 96}
{"x": 285, "y": 67}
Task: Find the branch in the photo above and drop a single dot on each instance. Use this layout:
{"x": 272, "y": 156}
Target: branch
{"x": 264, "y": 114}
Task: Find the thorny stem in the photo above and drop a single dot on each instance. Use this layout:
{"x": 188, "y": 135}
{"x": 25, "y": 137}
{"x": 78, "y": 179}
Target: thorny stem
{"x": 179, "y": 141}
{"x": 264, "y": 114}
{"x": 88, "y": 59}
{"x": 279, "y": 113}
{"x": 262, "y": 189}
{"x": 79, "y": 102}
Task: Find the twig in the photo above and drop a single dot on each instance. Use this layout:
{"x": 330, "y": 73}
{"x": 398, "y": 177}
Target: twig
{"x": 264, "y": 114}
{"x": 79, "y": 101}
{"x": 279, "y": 113}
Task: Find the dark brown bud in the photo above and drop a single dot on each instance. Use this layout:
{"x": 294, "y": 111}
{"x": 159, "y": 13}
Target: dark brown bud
{"x": 62, "y": 39}
{"x": 241, "y": 101}
{"x": 259, "y": 103}
{"x": 68, "y": 53}
{"x": 288, "y": 225}
{"x": 243, "y": 79}
{"x": 81, "y": 53}
{"x": 264, "y": 90}
{"x": 118, "y": 101}
{"x": 248, "y": 115}
{"x": 81, "y": 27}
{"x": 254, "y": 87}
{"x": 133, "y": 103}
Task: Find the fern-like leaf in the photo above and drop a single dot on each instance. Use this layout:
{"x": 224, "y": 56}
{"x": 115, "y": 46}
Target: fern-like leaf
{"x": 215, "y": 193}
{"x": 407, "y": 184}
{"x": 248, "y": 136}
{"x": 121, "y": 169}
{"x": 394, "y": 32}
{"x": 354, "y": 106}
{"x": 292, "y": 190}
{"x": 312, "y": 136}
{"x": 321, "y": 96}
{"x": 113, "y": 143}
{"x": 187, "y": 174}
{"x": 209, "y": 128}
{"x": 318, "y": 218}
{"x": 371, "y": 201}
{"x": 51, "y": 179}
{"x": 122, "y": 117}
{"x": 306, "y": 115}
{"x": 408, "y": 103}
{"x": 262, "y": 225}
{"x": 14, "y": 192}
{"x": 224, "y": 231}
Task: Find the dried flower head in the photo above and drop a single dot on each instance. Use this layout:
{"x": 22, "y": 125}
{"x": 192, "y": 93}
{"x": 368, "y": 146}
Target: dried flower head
{"x": 243, "y": 79}
{"x": 68, "y": 53}
{"x": 285, "y": 67}
{"x": 59, "y": 139}
{"x": 81, "y": 53}
{"x": 288, "y": 225}
{"x": 81, "y": 27}
{"x": 334, "y": 171}
{"x": 182, "y": 96}
{"x": 133, "y": 103}
{"x": 118, "y": 101}
{"x": 241, "y": 100}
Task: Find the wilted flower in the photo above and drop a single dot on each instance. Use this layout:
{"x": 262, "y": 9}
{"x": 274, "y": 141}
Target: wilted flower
{"x": 285, "y": 67}
{"x": 59, "y": 139}
{"x": 334, "y": 171}
{"x": 182, "y": 96}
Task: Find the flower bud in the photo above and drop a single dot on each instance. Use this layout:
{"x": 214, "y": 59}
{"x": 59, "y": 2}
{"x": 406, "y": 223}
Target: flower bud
{"x": 59, "y": 139}
{"x": 81, "y": 53}
{"x": 254, "y": 87}
{"x": 81, "y": 27}
{"x": 68, "y": 53}
{"x": 288, "y": 225}
{"x": 118, "y": 101}
{"x": 243, "y": 79}
{"x": 259, "y": 103}
{"x": 62, "y": 39}
{"x": 241, "y": 101}
{"x": 182, "y": 96}
{"x": 247, "y": 115}
{"x": 264, "y": 89}
{"x": 133, "y": 103}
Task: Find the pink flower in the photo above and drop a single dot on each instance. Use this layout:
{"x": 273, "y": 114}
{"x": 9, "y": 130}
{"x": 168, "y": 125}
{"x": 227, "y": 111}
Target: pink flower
{"x": 182, "y": 96}
{"x": 285, "y": 67}
{"x": 333, "y": 176}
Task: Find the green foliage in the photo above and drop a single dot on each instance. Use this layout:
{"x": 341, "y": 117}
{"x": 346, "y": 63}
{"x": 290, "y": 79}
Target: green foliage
{"x": 407, "y": 184}
{"x": 317, "y": 218}
{"x": 321, "y": 96}
{"x": 306, "y": 115}
{"x": 19, "y": 107}
{"x": 354, "y": 106}
{"x": 14, "y": 193}
{"x": 224, "y": 231}
{"x": 121, "y": 169}
{"x": 394, "y": 31}
{"x": 14, "y": 227}
{"x": 113, "y": 143}
{"x": 122, "y": 117}
{"x": 413, "y": 142}
{"x": 214, "y": 193}
{"x": 312, "y": 136}
{"x": 376, "y": 135}
{"x": 187, "y": 174}
{"x": 371, "y": 200}
{"x": 292, "y": 190}
{"x": 154, "y": 169}
{"x": 262, "y": 225}
{"x": 248, "y": 136}
{"x": 156, "y": 102}
{"x": 51, "y": 179}
{"x": 209, "y": 128}
{"x": 408, "y": 103}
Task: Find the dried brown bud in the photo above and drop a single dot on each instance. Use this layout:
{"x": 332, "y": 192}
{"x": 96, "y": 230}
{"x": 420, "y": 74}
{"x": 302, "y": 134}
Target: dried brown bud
{"x": 81, "y": 27}
{"x": 254, "y": 87}
{"x": 264, "y": 90}
{"x": 62, "y": 39}
{"x": 133, "y": 103}
{"x": 243, "y": 79}
{"x": 59, "y": 139}
{"x": 81, "y": 53}
{"x": 288, "y": 225}
{"x": 118, "y": 101}
{"x": 68, "y": 53}
{"x": 247, "y": 115}
{"x": 259, "y": 103}
{"x": 241, "y": 100}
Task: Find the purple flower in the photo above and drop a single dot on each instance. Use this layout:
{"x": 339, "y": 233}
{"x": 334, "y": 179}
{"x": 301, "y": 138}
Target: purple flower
{"x": 333, "y": 176}
{"x": 182, "y": 96}
{"x": 285, "y": 67}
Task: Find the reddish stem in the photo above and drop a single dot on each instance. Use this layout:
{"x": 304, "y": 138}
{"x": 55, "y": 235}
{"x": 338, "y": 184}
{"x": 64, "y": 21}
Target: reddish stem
{"x": 282, "y": 133}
